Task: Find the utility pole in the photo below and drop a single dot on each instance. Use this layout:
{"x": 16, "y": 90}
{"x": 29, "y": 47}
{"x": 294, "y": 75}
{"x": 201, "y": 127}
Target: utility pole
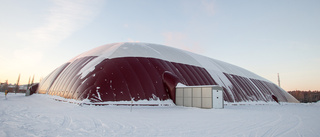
{"x": 279, "y": 80}
{"x": 17, "y": 85}
{"x": 28, "y": 82}
{"x": 6, "y": 86}
{"x": 32, "y": 80}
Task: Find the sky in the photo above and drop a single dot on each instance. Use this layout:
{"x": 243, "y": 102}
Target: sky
{"x": 266, "y": 37}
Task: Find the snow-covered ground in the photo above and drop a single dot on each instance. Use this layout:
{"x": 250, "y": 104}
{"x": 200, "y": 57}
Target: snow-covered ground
{"x": 40, "y": 115}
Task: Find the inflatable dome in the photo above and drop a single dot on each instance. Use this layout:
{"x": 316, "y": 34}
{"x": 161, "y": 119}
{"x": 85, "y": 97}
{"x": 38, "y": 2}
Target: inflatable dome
{"x": 142, "y": 71}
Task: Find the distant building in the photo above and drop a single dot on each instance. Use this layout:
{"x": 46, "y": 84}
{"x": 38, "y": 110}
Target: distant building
{"x": 11, "y": 88}
{"x": 141, "y": 71}
{"x": 306, "y": 96}
{"x": 3, "y": 87}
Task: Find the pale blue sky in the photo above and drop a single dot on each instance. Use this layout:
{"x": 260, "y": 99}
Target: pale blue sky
{"x": 266, "y": 37}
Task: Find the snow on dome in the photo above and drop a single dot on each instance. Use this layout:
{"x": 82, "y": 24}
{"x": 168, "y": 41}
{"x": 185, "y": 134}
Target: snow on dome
{"x": 125, "y": 71}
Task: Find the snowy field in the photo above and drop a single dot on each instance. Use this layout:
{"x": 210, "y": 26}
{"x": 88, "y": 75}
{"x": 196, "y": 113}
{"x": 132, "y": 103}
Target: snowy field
{"x": 40, "y": 115}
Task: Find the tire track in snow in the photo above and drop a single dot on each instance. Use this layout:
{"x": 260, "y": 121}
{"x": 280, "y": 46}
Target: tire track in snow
{"x": 293, "y": 127}
{"x": 118, "y": 127}
{"x": 271, "y": 125}
{"x": 99, "y": 129}
{"x": 56, "y": 125}
{"x": 264, "y": 125}
{"x": 66, "y": 122}
{"x": 125, "y": 128}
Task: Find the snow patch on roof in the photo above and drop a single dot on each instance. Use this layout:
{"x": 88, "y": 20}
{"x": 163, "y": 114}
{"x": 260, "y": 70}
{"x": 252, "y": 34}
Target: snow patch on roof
{"x": 129, "y": 49}
{"x": 90, "y": 66}
{"x": 102, "y": 51}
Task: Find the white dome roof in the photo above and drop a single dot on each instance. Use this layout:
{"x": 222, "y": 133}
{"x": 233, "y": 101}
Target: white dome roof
{"x": 133, "y": 49}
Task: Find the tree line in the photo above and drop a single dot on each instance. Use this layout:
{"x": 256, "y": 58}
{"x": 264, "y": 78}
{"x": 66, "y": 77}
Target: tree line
{"x": 306, "y": 96}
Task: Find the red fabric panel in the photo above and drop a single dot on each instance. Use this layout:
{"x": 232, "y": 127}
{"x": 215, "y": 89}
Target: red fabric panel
{"x": 143, "y": 78}
{"x": 196, "y": 75}
{"x": 154, "y": 75}
{"x": 189, "y": 81}
{"x": 177, "y": 72}
{"x": 131, "y": 78}
{"x": 236, "y": 89}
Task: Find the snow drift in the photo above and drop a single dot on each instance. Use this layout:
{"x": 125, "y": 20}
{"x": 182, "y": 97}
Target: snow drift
{"x": 40, "y": 115}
